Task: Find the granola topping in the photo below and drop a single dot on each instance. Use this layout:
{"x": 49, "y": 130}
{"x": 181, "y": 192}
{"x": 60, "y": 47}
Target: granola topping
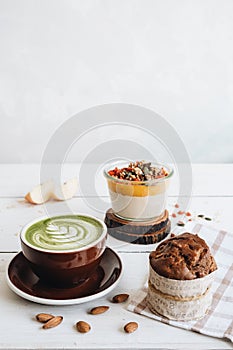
{"x": 139, "y": 171}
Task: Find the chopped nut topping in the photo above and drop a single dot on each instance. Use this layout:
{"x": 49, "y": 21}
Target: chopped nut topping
{"x": 139, "y": 171}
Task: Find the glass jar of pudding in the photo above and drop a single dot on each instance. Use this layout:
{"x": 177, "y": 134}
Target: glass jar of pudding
{"x": 138, "y": 190}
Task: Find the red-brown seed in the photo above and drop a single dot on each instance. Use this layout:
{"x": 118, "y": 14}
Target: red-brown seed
{"x": 177, "y": 205}
{"x": 180, "y": 212}
{"x": 173, "y": 215}
{"x": 188, "y": 213}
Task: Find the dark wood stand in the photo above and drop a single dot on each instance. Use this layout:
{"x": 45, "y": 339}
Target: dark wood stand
{"x": 138, "y": 232}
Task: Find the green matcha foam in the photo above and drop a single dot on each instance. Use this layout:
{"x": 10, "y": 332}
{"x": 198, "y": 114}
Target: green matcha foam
{"x": 65, "y": 232}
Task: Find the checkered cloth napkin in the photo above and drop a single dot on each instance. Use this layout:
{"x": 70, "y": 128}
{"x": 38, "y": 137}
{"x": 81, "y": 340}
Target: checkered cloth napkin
{"x": 218, "y": 322}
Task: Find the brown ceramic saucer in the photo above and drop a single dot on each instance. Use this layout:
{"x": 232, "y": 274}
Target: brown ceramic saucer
{"x": 22, "y": 280}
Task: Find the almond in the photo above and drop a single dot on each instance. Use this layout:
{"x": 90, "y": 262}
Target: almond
{"x": 83, "y": 327}
{"x": 99, "y": 310}
{"x": 131, "y": 327}
{"x": 44, "y": 317}
{"x": 53, "y": 322}
{"x": 120, "y": 298}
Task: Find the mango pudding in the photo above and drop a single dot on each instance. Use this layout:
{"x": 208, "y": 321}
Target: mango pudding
{"x": 138, "y": 190}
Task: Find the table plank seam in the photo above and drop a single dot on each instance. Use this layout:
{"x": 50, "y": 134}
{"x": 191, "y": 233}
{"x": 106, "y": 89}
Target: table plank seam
{"x": 171, "y": 196}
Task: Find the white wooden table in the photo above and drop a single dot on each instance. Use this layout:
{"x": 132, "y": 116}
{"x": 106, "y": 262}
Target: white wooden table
{"x": 212, "y": 196}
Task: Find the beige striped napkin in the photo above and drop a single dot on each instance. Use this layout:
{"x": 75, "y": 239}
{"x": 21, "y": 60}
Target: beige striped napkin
{"x": 218, "y": 322}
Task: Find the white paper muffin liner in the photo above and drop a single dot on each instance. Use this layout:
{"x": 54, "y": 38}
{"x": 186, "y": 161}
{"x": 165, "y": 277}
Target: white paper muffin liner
{"x": 179, "y": 299}
{"x": 180, "y": 288}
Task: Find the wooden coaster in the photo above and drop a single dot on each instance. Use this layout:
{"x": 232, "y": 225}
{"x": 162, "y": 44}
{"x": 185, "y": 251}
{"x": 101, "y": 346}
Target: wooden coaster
{"x": 137, "y": 232}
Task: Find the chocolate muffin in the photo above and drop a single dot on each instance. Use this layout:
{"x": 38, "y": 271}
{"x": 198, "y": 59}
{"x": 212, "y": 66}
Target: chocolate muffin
{"x": 183, "y": 257}
{"x": 180, "y": 278}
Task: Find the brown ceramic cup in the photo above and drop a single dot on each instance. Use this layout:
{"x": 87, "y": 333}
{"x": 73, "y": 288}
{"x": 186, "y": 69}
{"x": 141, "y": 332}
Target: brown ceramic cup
{"x": 54, "y": 254}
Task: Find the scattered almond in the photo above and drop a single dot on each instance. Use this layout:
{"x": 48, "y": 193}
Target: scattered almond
{"x": 99, "y": 310}
{"x": 120, "y": 298}
{"x": 177, "y": 205}
{"x": 188, "y": 213}
{"x": 44, "y": 317}
{"x": 53, "y": 322}
{"x": 173, "y": 215}
{"x": 131, "y": 327}
{"x": 83, "y": 327}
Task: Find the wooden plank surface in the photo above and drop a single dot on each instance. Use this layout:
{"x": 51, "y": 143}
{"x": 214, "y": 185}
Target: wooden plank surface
{"x": 15, "y": 213}
{"x": 208, "y": 180}
{"x": 19, "y": 330}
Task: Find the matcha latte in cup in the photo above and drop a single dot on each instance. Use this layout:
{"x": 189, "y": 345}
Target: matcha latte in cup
{"x": 64, "y": 250}
{"x": 138, "y": 190}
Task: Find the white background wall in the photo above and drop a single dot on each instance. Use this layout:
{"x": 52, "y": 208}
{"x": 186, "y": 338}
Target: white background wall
{"x": 60, "y": 57}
